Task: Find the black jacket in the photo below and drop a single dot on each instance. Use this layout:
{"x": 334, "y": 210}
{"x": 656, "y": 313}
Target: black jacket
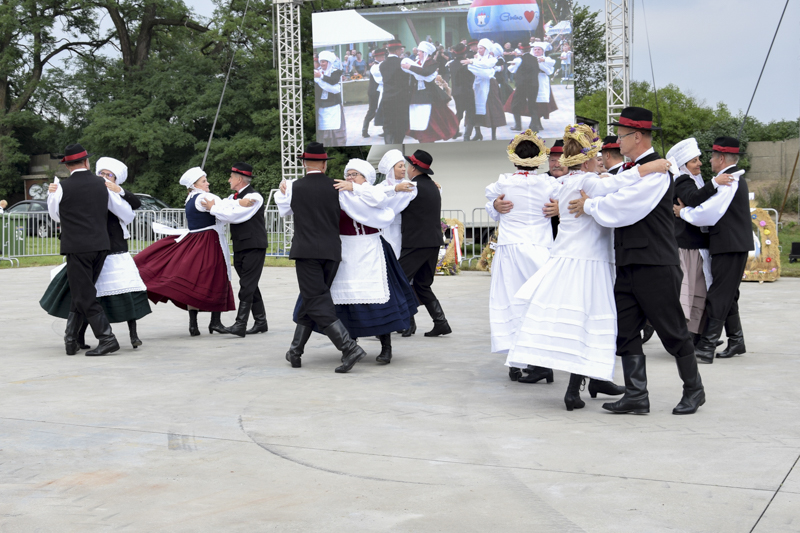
{"x": 251, "y": 233}
{"x": 84, "y": 214}
{"x": 651, "y": 241}
{"x": 332, "y": 99}
{"x": 734, "y": 231}
{"x": 691, "y": 237}
{"x": 431, "y": 93}
{"x": 526, "y": 79}
{"x": 115, "y": 234}
{"x": 315, "y": 204}
{"x": 461, "y": 79}
{"x": 422, "y": 219}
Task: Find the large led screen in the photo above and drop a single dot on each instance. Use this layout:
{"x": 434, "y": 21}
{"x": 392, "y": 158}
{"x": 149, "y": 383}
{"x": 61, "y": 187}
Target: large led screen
{"x": 443, "y": 72}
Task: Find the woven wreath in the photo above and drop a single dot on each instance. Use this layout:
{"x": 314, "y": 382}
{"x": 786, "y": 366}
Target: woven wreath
{"x": 588, "y": 139}
{"x": 532, "y": 136}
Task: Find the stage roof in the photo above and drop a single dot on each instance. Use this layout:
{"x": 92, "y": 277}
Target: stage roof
{"x": 328, "y": 29}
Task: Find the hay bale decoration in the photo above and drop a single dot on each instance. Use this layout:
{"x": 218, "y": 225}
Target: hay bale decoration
{"x": 766, "y": 265}
{"x": 449, "y": 263}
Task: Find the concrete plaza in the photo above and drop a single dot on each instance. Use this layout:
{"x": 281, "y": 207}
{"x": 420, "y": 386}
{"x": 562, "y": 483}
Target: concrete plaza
{"x": 215, "y": 433}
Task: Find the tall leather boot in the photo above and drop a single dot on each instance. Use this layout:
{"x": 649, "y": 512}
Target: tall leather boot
{"x": 604, "y": 387}
{"x": 440, "y": 325}
{"x": 536, "y": 124}
{"x": 365, "y": 128}
{"x": 102, "y": 330}
{"x": 693, "y": 393}
{"x": 635, "y": 400}
{"x": 194, "y": 331}
{"x": 572, "y": 399}
{"x": 301, "y": 336}
{"x": 704, "y": 351}
{"x": 412, "y": 328}
{"x": 536, "y": 374}
{"x": 82, "y": 336}
{"x": 478, "y": 135}
{"x": 733, "y": 330}
{"x": 135, "y": 340}
{"x": 467, "y": 130}
{"x": 340, "y": 337}
{"x": 494, "y": 134}
{"x": 517, "y": 122}
{"x": 260, "y": 317}
{"x": 74, "y": 321}
{"x": 386, "y": 349}
{"x": 215, "y": 324}
{"x": 239, "y": 327}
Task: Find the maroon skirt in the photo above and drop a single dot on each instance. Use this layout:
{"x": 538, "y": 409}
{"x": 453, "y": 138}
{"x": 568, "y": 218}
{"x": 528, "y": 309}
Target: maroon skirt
{"x": 544, "y": 108}
{"x": 495, "y": 117}
{"x": 441, "y": 126}
{"x": 189, "y": 273}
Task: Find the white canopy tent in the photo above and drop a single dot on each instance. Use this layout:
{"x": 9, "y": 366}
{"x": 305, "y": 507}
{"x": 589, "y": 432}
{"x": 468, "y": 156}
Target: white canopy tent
{"x": 562, "y": 28}
{"x": 332, "y": 28}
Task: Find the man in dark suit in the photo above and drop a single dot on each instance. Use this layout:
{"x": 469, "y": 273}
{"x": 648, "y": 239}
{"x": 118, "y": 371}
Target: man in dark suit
{"x": 244, "y": 211}
{"x": 730, "y": 240}
{"x": 81, "y": 203}
{"x": 462, "y": 81}
{"x": 374, "y": 92}
{"x": 648, "y": 283}
{"x": 422, "y": 238}
{"x": 396, "y": 95}
{"x": 523, "y": 101}
{"x": 317, "y": 251}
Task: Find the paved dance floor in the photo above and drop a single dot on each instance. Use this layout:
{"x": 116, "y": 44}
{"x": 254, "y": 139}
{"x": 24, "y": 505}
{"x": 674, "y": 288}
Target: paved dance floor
{"x": 220, "y": 434}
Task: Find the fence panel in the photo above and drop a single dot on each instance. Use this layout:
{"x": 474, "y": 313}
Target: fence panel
{"x": 482, "y": 229}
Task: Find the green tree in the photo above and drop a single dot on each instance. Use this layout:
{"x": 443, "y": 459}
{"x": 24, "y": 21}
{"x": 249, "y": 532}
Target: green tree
{"x": 588, "y": 41}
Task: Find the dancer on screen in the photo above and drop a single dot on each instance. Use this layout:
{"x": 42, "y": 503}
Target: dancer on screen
{"x": 331, "y": 127}
{"x": 488, "y": 107}
{"x": 430, "y": 118}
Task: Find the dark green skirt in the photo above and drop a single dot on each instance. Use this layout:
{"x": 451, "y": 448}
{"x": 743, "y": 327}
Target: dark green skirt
{"x": 118, "y": 307}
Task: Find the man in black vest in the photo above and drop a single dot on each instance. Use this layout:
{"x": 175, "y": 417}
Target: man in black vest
{"x": 524, "y": 99}
{"x": 374, "y": 92}
{"x": 244, "y": 211}
{"x": 81, "y": 203}
{"x": 317, "y": 251}
{"x": 648, "y": 284}
{"x": 462, "y": 81}
{"x": 422, "y": 238}
{"x": 396, "y": 95}
{"x": 730, "y": 239}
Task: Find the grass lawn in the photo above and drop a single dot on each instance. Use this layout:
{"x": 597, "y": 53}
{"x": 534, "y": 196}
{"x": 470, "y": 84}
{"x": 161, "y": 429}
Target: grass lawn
{"x": 788, "y": 234}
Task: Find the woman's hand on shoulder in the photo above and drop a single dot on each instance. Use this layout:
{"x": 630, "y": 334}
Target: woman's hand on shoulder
{"x": 343, "y": 185}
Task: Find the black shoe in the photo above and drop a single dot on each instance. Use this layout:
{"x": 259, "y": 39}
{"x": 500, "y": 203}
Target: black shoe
{"x": 478, "y": 135}
{"x": 517, "y": 123}
{"x": 635, "y": 400}
{"x": 194, "y": 331}
{"x": 440, "y": 325}
{"x": 720, "y": 342}
{"x": 604, "y": 387}
{"x": 260, "y": 317}
{"x": 733, "y": 330}
{"x": 82, "y": 336}
{"x": 536, "y": 374}
{"x": 74, "y": 321}
{"x": 411, "y": 329}
{"x": 386, "y": 349}
{"x": 301, "y": 336}
{"x": 215, "y": 324}
{"x": 102, "y": 330}
{"x": 647, "y": 332}
{"x": 365, "y": 134}
{"x": 572, "y": 399}
{"x": 239, "y": 328}
{"x": 535, "y": 125}
{"x": 693, "y": 393}
{"x": 340, "y": 337}
{"x": 704, "y": 351}
{"x": 514, "y": 373}
{"x": 135, "y": 340}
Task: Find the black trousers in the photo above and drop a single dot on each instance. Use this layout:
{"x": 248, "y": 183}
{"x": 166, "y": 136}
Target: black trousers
{"x": 465, "y": 107}
{"x": 249, "y": 265}
{"x": 650, "y": 292}
{"x": 315, "y": 277}
{"x": 419, "y": 266}
{"x": 722, "y": 299}
{"x": 372, "y": 110}
{"x": 83, "y": 269}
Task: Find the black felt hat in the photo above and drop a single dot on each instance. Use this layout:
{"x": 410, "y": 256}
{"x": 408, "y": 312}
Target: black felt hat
{"x": 558, "y": 147}
{"x": 473, "y": 42}
{"x": 421, "y": 160}
{"x": 611, "y": 142}
{"x": 460, "y": 49}
{"x": 74, "y": 153}
{"x": 725, "y": 145}
{"x": 637, "y": 118}
{"x": 394, "y": 43}
{"x": 243, "y": 168}
{"x": 379, "y": 52}
{"x": 315, "y": 152}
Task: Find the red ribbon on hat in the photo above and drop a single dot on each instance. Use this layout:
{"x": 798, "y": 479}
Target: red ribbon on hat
{"x": 73, "y": 157}
{"x": 725, "y": 149}
{"x": 557, "y": 150}
{"x": 636, "y": 124}
{"x": 306, "y": 155}
{"x": 419, "y": 163}
{"x": 240, "y": 171}
{"x": 611, "y": 145}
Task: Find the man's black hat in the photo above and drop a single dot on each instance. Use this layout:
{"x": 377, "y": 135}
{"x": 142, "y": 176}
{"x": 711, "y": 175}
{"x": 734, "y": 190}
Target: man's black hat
{"x": 637, "y": 118}
{"x": 460, "y": 49}
{"x": 379, "y": 52}
{"x": 315, "y": 152}
{"x": 472, "y": 42}
{"x": 611, "y": 142}
{"x": 394, "y": 43}
{"x": 725, "y": 145}
{"x": 243, "y": 168}
{"x": 421, "y": 160}
{"x": 558, "y": 147}
{"x": 74, "y": 153}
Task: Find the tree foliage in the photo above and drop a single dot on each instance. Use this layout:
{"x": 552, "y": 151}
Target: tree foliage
{"x": 588, "y": 41}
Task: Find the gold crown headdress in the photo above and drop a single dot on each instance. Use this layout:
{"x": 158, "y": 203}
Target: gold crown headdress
{"x": 532, "y": 136}
{"x": 588, "y": 139}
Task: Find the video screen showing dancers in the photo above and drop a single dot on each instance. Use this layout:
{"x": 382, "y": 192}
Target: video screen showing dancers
{"x": 443, "y": 72}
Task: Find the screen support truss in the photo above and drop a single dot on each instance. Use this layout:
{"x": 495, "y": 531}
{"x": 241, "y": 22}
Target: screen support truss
{"x": 618, "y": 63}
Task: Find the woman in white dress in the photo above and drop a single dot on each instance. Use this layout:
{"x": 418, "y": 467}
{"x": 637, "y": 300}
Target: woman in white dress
{"x": 393, "y": 166}
{"x": 570, "y": 322}
{"x": 524, "y": 239}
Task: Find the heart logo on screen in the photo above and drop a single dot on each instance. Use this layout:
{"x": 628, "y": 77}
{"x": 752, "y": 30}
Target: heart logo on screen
{"x": 530, "y": 15}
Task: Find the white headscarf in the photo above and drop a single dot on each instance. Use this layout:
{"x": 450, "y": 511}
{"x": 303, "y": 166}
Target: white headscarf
{"x": 683, "y": 152}
{"x": 427, "y": 51}
{"x": 388, "y": 161}
{"x": 330, "y": 57}
{"x": 115, "y": 166}
{"x": 497, "y": 50}
{"x": 485, "y": 60}
{"x": 190, "y": 177}
{"x": 544, "y": 46}
{"x": 362, "y": 167}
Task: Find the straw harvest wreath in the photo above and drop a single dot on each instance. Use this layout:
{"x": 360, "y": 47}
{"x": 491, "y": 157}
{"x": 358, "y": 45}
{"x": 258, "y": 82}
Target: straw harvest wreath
{"x": 588, "y": 139}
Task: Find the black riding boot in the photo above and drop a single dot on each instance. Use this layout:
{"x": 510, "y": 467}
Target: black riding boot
{"x": 467, "y": 130}
{"x": 340, "y": 337}
{"x": 440, "y": 325}
{"x": 102, "y": 330}
{"x": 708, "y": 341}
{"x": 135, "y": 340}
{"x": 733, "y": 330}
{"x": 572, "y": 399}
{"x": 215, "y": 324}
{"x": 74, "y": 321}
{"x": 386, "y": 349}
{"x": 478, "y": 135}
{"x": 301, "y": 336}
{"x": 494, "y": 134}
{"x": 82, "y": 336}
{"x": 536, "y": 374}
{"x": 514, "y": 373}
{"x": 412, "y": 328}
{"x": 239, "y": 327}
{"x": 604, "y": 387}
{"x": 365, "y": 128}
{"x": 517, "y": 122}
{"x": 535, "y": 125}
{"x": 194, "y": 331}
{"x": 635, "y": 400}
{"x": 693, "y": 393}
{"x": 260, "y": 317}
